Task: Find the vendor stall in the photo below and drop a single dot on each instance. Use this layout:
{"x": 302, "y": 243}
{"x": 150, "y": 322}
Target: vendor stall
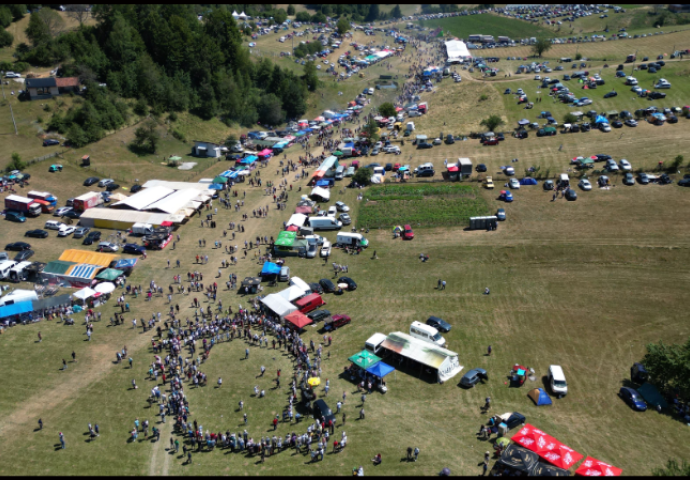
{"x": 444, "y": 362}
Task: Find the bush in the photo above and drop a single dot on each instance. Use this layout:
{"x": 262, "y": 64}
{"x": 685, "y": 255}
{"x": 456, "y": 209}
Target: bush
{"x": 363, "y": 176}
{"x": 172, "y": 117}
{"x": 578, "y": 56}
{"x": 178, "y": 135}
{"x": 46, "y": 108}
{"x": 20, "y": 67}
{"x": 141, "y": 108}
{"x": 39, "y": 119}
{"x": 16, "y": 163}
{"x": 483, "y": 97}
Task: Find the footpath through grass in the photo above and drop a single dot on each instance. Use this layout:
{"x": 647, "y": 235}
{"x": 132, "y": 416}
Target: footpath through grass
{"x": 421, "y": 205}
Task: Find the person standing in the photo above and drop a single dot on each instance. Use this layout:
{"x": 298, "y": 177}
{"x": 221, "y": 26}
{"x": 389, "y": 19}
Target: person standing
{"x": 64, "y": 364}
{"x": 74, "y": 357}
{"x": 40, "y": 337}
{"x": 489, "y": 351}
{"x": 62, "y": 440}
{"x": 416, "y": 453}
{"x": 443, "y": 285}
{"x": 40, "y": 424}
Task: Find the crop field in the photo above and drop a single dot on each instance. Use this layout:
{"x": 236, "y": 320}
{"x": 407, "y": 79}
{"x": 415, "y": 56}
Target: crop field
{"x": 421, "y": 206}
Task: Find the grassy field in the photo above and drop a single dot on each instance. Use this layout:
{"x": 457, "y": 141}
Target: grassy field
{"x": 487, "y": 24}
{"x": 421, "y": 206}
{"x": 581, "y": 284}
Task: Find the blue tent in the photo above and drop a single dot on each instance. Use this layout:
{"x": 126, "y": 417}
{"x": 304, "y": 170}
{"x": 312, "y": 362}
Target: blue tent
{"x": 215, "y": 186}
{"x": 601, "y": 119}
{"x": 248, "y": 160}
{"x": 270, "y": 268}
{"x": 540, "y": 397}
{"x": 15, "y": 309}
{"x": 380, "y": 370}
{"x": 125, "y": 263}
{"x": 651, "y": 395}
{"x": 326, "y": 182}
{"x": 528, "y": 181}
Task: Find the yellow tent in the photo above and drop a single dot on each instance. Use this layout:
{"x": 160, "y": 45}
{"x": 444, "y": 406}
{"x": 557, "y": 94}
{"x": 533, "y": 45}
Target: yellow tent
{"x": 314, "y": 381}
{"x": 88, "y": 257}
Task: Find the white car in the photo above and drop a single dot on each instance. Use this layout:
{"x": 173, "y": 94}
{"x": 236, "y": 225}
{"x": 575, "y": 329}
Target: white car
{"x": 252, "y": 44}
{"x": 66, "y": 230}
{"x": 514, "y": 184}
{"x": 318, "y": 67}
{"x": 605, "y": 127}
{"x": 325, "y": 62}
{"x": 611, "y": 166}
{"x": 437, "y": 141}
{"x": 625, "y": 165}
{"x": 105, "y": 182}
{"x": 342, "y": 207}
{"x": 509, "y": 171}
{"x": 537, "y": 77}
{"x": 61, "y": 211}
{"x": 585, "y": 185}
{"x": 392, "y": 149}
{"x": 332, "y": 211}
{"x": 108, "y": 247}
{"x": 520, "y": 91}
{"x": 326, "y": 249}
{"x": 13, "y": 75}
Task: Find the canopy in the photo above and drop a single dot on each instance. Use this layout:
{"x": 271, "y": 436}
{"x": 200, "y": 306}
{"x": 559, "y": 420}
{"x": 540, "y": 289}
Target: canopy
{"x": 540, "y": 397}
{"x": 364, "y": 359}
{"x": 126, "y": 263}
{"x": 248, "y": 160}
{"x": 380, "y": 370}
{"x": 278, "y": 304}
{"x": 546, "y": 446}
{"x": 561, "y": 455}
{"x": 291, "y": 293}
{"x": 338, "y": 153}
{"x": 314, "y": 381}
{"x": 105, "y": 287}
{"x": 524, "y": 121}
{"x": 109, "y": 274}
{"x": 650, "y": 393}
{"x": 298, "y": 319}
{"x": 531, "y": 438}
{"x": 220, "y": 179}
{"x": 528, "y": 181}
{"x": 303, "y": 209}
{"x": 519, "y": 458}
{"x": 600, "y": 119}
{"x": 321, "y": 193}
{"x": 453, "y": 168}
{"x": 84, "y": 293}
{"x": 592, "y": 467}
{"x": 15, "y": 309}
{"x": 265, "y": 152}
{"x": 270, "y": 268}
{"x": 286, "y": 239}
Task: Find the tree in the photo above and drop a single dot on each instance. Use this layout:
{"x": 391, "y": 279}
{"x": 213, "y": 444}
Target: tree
{"x": 310, "y": 77}
{"x": 318, "y": 18}
{"x": 668, "y": 365}
{"x": 387, "y": 109}
{"x": 677, "y": 162}
{"x": 79, "y": 14}
{"x": 542, "y": 45}
{"x": 270, "y": 110}
{"x": 303, "y": 16}
{"x": 569, "y": 118}
{"x": 280, "y": 16}
{"x": 343, "y": 25}
{"x": 146, "y": 137}
{"x": 363, "y": 176}
{"x": 370, "y": 130}
{"x": 37, "y": 31}
{"x": 492, "y": 122}
{"x": 290, "y": 10}
{"x": 5, "y": 17}
{"x": 16, "y": 163}
{"x": 374, "y": 13}
{"x": 18, "y": 11}
{"x": 673, "y": 470}
{"x": 396, "y": 12}
{"x": 6, "y": 38}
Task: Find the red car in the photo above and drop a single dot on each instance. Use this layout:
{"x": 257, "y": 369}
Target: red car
{"x": 396, "y": 167}
{"x": 336, "y": 321}
{"x": 491, "y": 141}
{"x": 407, "y": 234}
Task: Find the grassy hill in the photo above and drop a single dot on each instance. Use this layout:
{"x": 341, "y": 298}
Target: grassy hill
{"x": 487, "y": 24}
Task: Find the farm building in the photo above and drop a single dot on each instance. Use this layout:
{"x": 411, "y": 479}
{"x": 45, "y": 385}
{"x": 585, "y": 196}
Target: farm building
{"x": 43, "y": 88}
{"x": 208, "y": 149}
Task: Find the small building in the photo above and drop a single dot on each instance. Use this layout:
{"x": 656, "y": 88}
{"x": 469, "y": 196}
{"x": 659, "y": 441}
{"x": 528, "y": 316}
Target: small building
{"x": 44, "y": 88}
{"x": 207, "y": 149}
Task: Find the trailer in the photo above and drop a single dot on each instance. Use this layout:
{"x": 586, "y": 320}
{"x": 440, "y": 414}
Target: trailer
{"x": 27, "y": 206}
{"x": 45, "y": 196}
{"x": 86, "y": 201}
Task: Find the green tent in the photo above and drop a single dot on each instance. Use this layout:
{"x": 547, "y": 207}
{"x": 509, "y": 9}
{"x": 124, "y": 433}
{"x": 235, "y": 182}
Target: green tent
{"x": 220, "y": 179}
{"x": 57, "y": 267}
{"x": 109, "y": 274}
{"x": 364, "y": 359}
{"x": 338, "y": 153}
{"x": 286, "y": 239}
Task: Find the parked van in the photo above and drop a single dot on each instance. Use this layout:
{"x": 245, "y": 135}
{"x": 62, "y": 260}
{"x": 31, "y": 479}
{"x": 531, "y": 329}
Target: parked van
{"x": 309, "y": 303}
{"x": 563, "y": 180}
{"x": 557, "y": 381}
{"x": 379, "y": 171}
{"x": 5, "y": 268}
{"x": 284, "y": 274}
{"x": 142, "y": 229}
{"x": 426, "y": 333}
{"x": 347, "y": 239}
{"x": 340, "y": 172}
{"x": 18, "y": 272}
{"x": 325, "y": 223}
{"x": 373, "y": 343}
{"x": 53, "y": 225}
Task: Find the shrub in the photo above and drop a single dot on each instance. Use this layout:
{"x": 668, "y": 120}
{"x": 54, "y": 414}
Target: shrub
{"x": 16, "y": 163}
{"x": 172, "y": 117}
{"x": 483, "y": 97}
{"x": 178, "y": 135}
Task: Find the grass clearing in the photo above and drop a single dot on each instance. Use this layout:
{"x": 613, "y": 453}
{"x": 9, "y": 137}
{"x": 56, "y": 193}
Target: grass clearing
{"x": 487, "y": 24}
{"x": 421, "y": 205}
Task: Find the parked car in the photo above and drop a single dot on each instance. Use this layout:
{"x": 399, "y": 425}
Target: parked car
{"x": 481, "y": 168}
{"x": 336, "y": 321}
{"x": 585, "y": 184}
{"x": 625, "y": 165}
{"x": 345, "y": 219}
{"x": 643, "y": 178}
{"x": 326, "y": 249}
{"x": 73, "y": 214}
{"x": 617, "y": 124}
{"x": 13, "y": 216}
{"x": 684, "y": 182}
{"x": 473, "y": 377}
{"x": 49, "y": 142}
{"x": 17, "y": 246}
{"x": 611, "y": 94}
{"x": 36, "y": 234}
{"x": 136, "y": 188}
{"x": 61, "y": 211}
{"x": 604, "y": 127}
{"x": 81, "y": 231}
{"x": 66, "y": 230}
{"x": 501, "y": 214}
{"x": 133, "y": 248}
{"x": 489, "y": 183}
{"x": 318, "y": 315}
{"x": 108, "y": 247}
{"x": 664, "y": 179}
{"x": 632, "y": 398}
{"x": 351, "y": 285}
{"x": 327, "y": 285}
{"x": 570, "y": 195}
{"x": 105, "y": 182}
{"x": 23, "y": 255}
{"x": 341, "y": 207}
{"x": 316, "y": 288}
{"x": 407, "y": 233}
{"x": 514, "y": 183}
{"x": 93, "y": 236}
{"x": 439, "y": 324}
{"x": 321, "y": 410}
{"x": 90, "y": 181}
{"x": 112, "y": 187}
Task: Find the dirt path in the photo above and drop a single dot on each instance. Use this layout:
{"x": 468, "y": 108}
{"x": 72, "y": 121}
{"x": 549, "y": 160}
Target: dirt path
{"x": 159, "y": 455}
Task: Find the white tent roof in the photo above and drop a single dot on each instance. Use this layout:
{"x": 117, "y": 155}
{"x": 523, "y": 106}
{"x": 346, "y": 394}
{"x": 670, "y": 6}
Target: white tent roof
{"x": 148, "y": 196}
{"x": 457, "y": 50}
{"x": 84, "y": 293}
{"x": 297, "y": 219}
{"x": 177, "y": 185}
{"x": 175, "y": 201}
{"x": 301, "y": 284}
{"x": 291, "y": 293}
{"x": 278, "y": 304}
{"x": 321, "y": 192}
{"x": 129, "y": 216}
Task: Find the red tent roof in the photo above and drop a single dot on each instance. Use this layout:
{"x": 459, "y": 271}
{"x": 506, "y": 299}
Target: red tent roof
{"x": 561, "y": 455}
{"x": 292, "y": 228}
{"x": 532, "y": 438}
{"x": 452, "y": 168}
{"x": 304, "y": 209}
{"x": 592, "y": 467}
{"x": 298, "y": 319}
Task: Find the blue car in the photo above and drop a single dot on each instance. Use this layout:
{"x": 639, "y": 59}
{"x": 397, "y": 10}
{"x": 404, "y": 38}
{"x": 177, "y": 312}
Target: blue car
{"x": 632, "y": 398}
{"x": 133, "y": 248}
{"x": 506, "y": 196}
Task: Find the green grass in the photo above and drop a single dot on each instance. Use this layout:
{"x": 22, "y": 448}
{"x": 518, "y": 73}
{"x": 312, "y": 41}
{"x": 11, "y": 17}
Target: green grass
{"x": 421, "y": 205}
{"x": 487, "y": 24}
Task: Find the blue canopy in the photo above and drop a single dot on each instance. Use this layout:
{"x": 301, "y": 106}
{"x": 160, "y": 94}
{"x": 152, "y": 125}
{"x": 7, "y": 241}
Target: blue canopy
{"x": 125, "y": 263}
{"x": 248, "y": 160}
{"x": 542, "y": 399}
{"x": 216, "y": 186}
{"x": 601, "y": 119}
{"x": 15, "y": 309}
{"x": 326, "y": 182}
{"x": 528, "y": 181}
{"x": 380, "y": 370}
{"x": 270, "y": 268}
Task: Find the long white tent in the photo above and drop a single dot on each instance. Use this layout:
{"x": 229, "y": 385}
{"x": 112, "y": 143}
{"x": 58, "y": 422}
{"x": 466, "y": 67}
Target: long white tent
{"x": 278, "y": 304}
{"x": 176, "y": 201}
{"x": 176, "y": 185}
{"x": 457, "y": 51}
{"x": 141, "y": 200}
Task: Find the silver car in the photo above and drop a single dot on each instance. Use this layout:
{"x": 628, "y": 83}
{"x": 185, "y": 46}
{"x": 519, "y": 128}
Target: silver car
{"x": 105, "y": 182}
{"x": 345, "y": 218}
{"x": 342, "y": 207}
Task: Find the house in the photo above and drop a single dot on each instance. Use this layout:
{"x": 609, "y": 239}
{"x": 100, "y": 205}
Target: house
{"x": 208, "y": 149}
{"x": 679, "y": 7}
{"x": 43, "y": 88}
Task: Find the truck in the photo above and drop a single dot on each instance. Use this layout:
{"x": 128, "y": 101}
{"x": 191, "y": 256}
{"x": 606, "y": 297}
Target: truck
{"x": 18, "y": 272}
{"x": 45, "y": 196}
{"x": 45, "y": 206}
{"x": 17, "y": 296}
{"x": 86, "y": 201}
{"x": 465, "y": 166}
{"x": 348, "y": 149}
{"x": 142, "y": 229}
{"x": 423, "y": 107}
{"x": 27, "y": 206}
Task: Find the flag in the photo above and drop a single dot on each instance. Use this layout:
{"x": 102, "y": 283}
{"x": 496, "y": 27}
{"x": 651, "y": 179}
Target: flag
{"x": 440, "y": 34}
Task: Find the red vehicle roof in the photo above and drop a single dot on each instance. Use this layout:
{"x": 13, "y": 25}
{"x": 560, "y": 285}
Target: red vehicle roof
{"x": 308, "y": 299}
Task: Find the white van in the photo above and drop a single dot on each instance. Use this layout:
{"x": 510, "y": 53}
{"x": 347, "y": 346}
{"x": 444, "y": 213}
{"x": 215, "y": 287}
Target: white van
{"x": 18, "y": 271}
{"x": 53, "y": 225}
{"x": 351, "y": 240}
{"x": 142, "y": 229}
{"x": 6, "y": 267}
{"x": 325, "y": 223}
{"x": 557, "y": 381}
{"x": 563, "y": 180}
{"x": 379, "y": 171}
{"x": 340, "y": 172}
{"x": 426, "y": 333}
{"x": 373, "y": 343}
{"x": 410, "y": 127}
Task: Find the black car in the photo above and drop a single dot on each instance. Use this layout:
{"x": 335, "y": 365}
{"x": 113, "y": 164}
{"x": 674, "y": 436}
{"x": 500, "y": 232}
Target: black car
{"x": 322, "y": 410}
{"x": 49, "y": 142}
{"x": 351, "y": 285}
{"x": 426, "y": 173}
{"x": 316, "y": 288}
{"x": 643, "y": 179}
{"x": 515, "y": 420}
{"x": 17, "y": 246}
{"x": 664, "y": 179}
{"x": 611, "y": 94}
{"x": 450, "y": 140}
{"x": 601, "y": 157}
{"x": 473, "y": 377}
{"x": 327, "y": 285}
{"x": 92, "y": 237}
{"x": 135, "y": 188}
{"x": 23, "y": 255}
{"x": 72, "y": 214}
{"x": 91, "y": 180}
{"x": 388, "y": 167}
{"x": 133, "y": 248}
{"x": 481, "y": 168}
{"x": 439, "y": 324}
{"x": 112, "y": 186}
{"x": 318, "y": 315}
{"x": 656, "y": 95}
{"x": 36, "y": 234}
{"x": 585, "y": 127}
{"x": 672, "y": 119}
{"x": 570, "y": 195}
{"x": 507, "y": 91}
{"x": 685, "y": 182}
{"x": 617, "y": 124}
